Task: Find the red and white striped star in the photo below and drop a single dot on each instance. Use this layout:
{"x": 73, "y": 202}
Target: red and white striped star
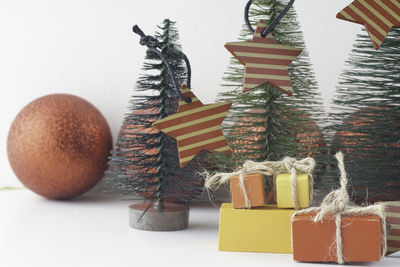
{"x": 393, "y": 218}
{"x": 378, "y": 17}
{"x": 196, "y": 127}
{"x": 265, "y": 60}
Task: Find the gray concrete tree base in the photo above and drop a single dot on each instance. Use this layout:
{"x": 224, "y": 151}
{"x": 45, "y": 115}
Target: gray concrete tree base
{"x": 173, "y": 217}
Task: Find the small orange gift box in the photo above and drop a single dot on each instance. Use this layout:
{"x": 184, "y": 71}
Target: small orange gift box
{"x": 339, "y": 231}
{"x": 255, "y": 190}
{"x": 315, "y": 241}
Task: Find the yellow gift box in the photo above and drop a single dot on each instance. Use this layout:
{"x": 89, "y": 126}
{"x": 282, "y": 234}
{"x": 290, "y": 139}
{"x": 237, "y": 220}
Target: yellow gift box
{"x": 284, "y": 196}
{"x": 264, "y": 229}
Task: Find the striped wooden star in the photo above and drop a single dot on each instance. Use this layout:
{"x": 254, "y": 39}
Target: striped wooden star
{"x": 265, "y": 60}
{"x": 196, "y": 127}
{"x": 392, "y": 209}
{"x": 378, "y": 16}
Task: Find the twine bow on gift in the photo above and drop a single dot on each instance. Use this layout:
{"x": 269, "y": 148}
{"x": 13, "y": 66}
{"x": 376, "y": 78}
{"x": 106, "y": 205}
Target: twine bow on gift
{"x": 267, "y": 168}
{"x": 337, "y": 204}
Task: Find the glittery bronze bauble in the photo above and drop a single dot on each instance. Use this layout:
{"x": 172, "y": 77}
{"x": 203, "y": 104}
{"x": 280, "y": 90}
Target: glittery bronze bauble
{"x": 58, "y": 146}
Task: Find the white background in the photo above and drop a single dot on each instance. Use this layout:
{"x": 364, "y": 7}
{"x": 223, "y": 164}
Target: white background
{"x": 87, "y": 48}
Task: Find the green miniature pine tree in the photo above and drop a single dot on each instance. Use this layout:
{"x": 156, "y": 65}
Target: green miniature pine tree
{"x": 145, "y": 160}
{"x": 265, "y": 124}
{"x": 365, "y": 121}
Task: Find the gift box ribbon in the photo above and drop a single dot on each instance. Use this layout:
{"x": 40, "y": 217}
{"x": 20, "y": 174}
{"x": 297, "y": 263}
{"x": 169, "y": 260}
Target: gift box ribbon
{"x": 337, "y": 204}
{"x": 267, "y": 168}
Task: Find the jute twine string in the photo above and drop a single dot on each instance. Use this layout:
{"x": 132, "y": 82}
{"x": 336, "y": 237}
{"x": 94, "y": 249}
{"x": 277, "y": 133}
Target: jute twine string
{"x": 337, "y": 203}
{"x": 267, "y": 168}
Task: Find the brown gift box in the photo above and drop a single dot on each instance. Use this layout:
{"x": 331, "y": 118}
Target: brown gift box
{"x": 316, "y": 241}
{"x": 254, "y": 184}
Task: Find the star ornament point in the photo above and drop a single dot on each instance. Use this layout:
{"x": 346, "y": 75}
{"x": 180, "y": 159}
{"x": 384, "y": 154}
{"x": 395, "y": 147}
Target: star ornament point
{"x": 196, "y": 127}
{"x": 265, "y": 60}
{"x": 378, "y": 17}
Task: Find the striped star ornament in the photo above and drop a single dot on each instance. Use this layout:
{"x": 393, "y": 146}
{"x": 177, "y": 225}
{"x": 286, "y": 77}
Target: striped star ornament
{"x": 392, "y": 209}
{"x": 265, "y": 60}
{"x": 378, "y": 16}
{"x": 196, "y": 127}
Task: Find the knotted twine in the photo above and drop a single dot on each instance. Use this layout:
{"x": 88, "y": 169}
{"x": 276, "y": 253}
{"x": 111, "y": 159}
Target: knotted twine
{"x": 267, "y": 168}
{"x": 337, "y": 204}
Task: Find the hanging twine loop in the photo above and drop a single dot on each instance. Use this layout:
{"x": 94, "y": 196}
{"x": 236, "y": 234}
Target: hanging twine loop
{"x": 267, "y": 168}
{"x": 152, "y": 45}
{"x": 146, "y": 40}
{"x": 337, "y": 204}
{"x": 273, "y": 23}
{"x": 149, "y": 41}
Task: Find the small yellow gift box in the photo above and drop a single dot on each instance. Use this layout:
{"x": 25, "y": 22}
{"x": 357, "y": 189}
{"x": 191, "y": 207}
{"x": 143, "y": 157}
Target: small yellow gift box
{"x": 264, "y": 229}
{"x": 284, "y": 195}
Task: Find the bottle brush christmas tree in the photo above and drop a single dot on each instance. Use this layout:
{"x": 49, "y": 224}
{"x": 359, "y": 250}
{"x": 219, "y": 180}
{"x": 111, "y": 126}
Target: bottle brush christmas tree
{"x": 366, "y": 120}
{"x": 265, "y": 124}
{"x": 145, "y": 161}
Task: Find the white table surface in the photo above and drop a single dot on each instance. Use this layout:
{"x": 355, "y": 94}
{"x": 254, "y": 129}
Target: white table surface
{"x": 93, "y": 230}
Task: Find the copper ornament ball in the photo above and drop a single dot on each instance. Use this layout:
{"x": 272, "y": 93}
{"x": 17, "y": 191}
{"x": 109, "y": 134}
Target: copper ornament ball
{"x": 58, "y": 146}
